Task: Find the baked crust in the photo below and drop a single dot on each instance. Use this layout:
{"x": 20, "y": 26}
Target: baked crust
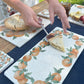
{"x": 57, "y": 42}
{"x": 15, "y": 23}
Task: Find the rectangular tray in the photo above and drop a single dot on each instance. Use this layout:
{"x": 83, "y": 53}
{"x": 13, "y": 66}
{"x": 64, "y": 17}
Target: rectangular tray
{"x": 43, "y": 62}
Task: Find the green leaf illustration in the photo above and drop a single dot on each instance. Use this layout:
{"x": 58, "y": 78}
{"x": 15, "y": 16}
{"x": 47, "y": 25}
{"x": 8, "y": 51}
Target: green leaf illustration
{"x": 21, "y": 72}
{"x": 29, "y": 73}
{"x": 82, "y": 40}
{"x": 47, "y": 79}
{"x": 48, "y": 83}
{"x": 32, "y": 80}
{"x": 52, "y": 77}
{"x": 35, "y": 57}
{"x": 2, "y": 33}
{"x": 59, "y": 71}
{"x": 14, "y": 37}
{"x": 69, "y": 54}
{"x": 16, "y": 67}
{"x": 43, "y": 50}
{"x": 55, "y": 70}
{"x": 65, "y": 57}
{"x": 25, "y": 63}
{"x": 77, "y": 47}
{"x": 27, "y": 35}
{"x": 25, "y": 70}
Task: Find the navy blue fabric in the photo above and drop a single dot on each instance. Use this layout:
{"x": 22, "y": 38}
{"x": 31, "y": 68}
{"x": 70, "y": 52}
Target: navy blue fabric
{"x": 76, "y": 75}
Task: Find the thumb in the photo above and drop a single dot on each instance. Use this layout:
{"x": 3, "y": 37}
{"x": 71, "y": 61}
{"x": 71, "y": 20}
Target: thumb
{"x": 51, "y": 16}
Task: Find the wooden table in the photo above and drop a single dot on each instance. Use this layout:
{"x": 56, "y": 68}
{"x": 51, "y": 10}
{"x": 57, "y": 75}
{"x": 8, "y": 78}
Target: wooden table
{"x": 7, "y": 46}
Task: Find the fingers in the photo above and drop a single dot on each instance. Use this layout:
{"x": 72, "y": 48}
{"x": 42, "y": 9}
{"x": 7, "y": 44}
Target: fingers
{"x": 65, "y": 23}
{"x": 51, "y": 16}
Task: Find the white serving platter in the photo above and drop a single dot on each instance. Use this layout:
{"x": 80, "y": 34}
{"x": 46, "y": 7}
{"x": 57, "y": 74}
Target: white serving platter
{"x": 45, "y": 64}
{"x": 74, "y": 8}
{"x": 5, "y": 61}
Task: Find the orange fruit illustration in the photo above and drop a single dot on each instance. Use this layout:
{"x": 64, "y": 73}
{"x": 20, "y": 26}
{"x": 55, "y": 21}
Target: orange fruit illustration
{"x": 8, "y": 59}
{"x": 27, "y": 58}
{"x": 57, "y": 76}
{"x": 18, "y": 34}
{"x": 18, "y": 76}
{"x": 34, "y": 53}
{"x": 75, "y": 37}
{"x": 22, "y": 66}
{"x": 58, "y": 32}
{"x": 37, "y": 49}
{"x": 52, "y": 34}
{"x": 22, "y": 81}
{"x": 79, "y": 43}
{"x": 33, "y": 31}
{"x": 67, "y": 33}
{"x": 39, "y": 82}
{"x": 74, "y": 53}
{"x": 66, "y": 62}
{"x": 9, "y": 34}
{"x": 44, "y": 43}
{"x": 2, "y": 28}
{"x": 6, "y": 62}
{"x": 0, "y": 65}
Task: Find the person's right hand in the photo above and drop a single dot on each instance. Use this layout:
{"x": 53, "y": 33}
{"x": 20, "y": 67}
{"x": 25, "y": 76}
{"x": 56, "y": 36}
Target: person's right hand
{"x": 29, "y": 17}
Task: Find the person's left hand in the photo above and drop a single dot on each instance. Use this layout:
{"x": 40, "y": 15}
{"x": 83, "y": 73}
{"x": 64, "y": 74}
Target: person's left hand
{"x": 56, "y": 8}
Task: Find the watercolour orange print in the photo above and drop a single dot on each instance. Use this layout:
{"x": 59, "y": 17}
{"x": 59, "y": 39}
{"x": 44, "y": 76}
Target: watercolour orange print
{"x": 43, "y": 64}
{"x": 19, "y": 38}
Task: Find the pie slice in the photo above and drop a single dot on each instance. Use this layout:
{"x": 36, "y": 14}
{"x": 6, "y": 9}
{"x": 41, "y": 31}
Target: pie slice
{"x": 56, "y": 42}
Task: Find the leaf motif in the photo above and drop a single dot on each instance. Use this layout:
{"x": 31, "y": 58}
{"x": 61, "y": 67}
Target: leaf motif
{"x": 25, "y": 63}
{"x": 25, "y": 70}
{"x": 27, "y": 35}
{"x": 16, "y": 67}
{"x": 47, "y": 79}
{"x": 2, "y": 33}
{"x": 69, "y": 54}
{"x": 49, "y": 74}
{"x": 29, "y": 73}
{"x": 14, "y": 37}
{"x": 77, "y": 47}
{"x": 59, "y": 71}
{"x": 52, "y": 77}
{"x": 48, "y": 83}
{"x": 32, "y": 80}
{"x": 35, "y": 57}
{"x": 43, "y": 50}
{"x": 55, "y": 70}
{"x": 65, "y": 57}
{"x": 21, "y": 72}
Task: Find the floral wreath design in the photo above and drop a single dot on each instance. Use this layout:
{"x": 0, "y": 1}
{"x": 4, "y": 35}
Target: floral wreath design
{"x": 21, "y": 75}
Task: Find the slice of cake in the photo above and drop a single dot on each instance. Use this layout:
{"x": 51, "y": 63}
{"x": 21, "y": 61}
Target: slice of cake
{"x": 56, "y": 42}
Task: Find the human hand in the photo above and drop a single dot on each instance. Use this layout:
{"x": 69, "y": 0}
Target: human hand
{"x": 29, "y": 17}
{"x": 56, "y": 8}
